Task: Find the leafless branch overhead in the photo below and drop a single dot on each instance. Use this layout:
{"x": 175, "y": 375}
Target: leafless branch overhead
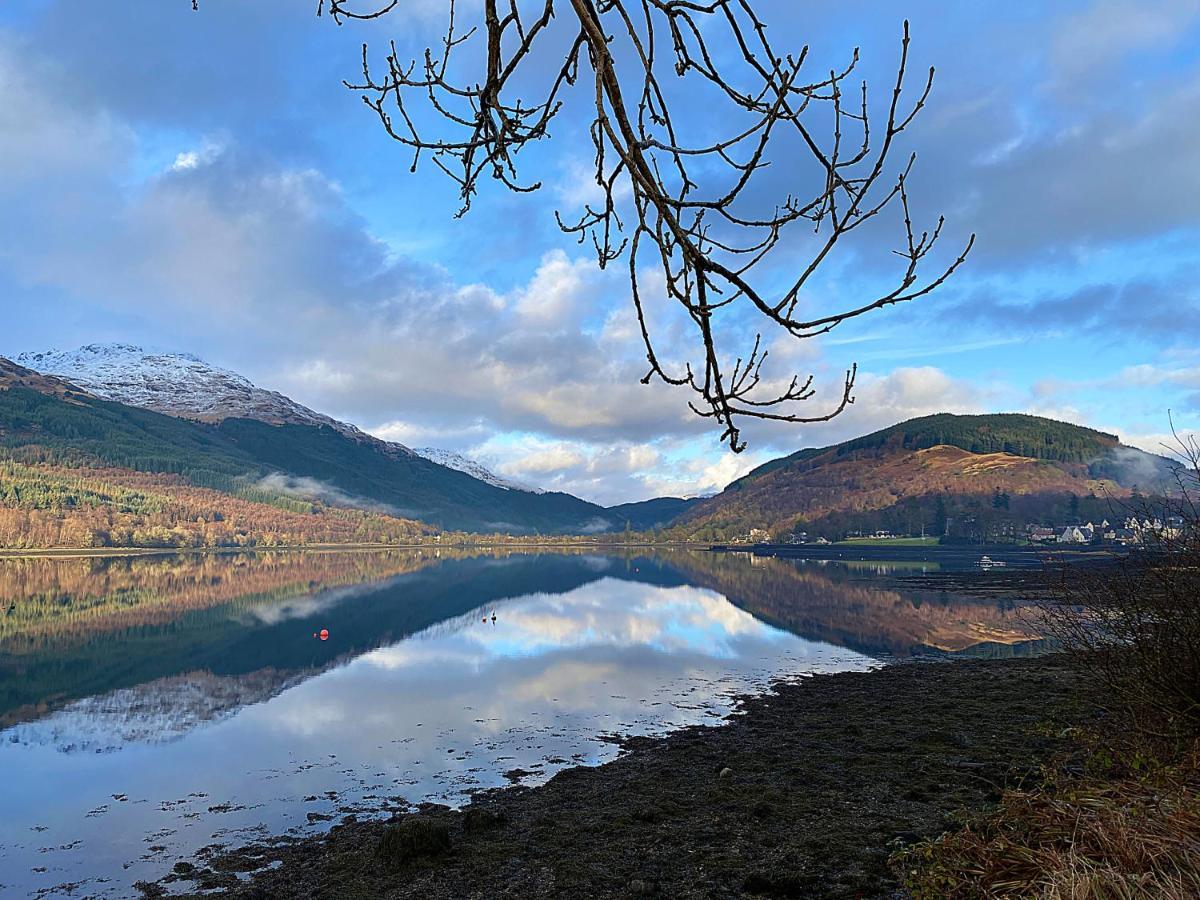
{"x": 696, "y": 209}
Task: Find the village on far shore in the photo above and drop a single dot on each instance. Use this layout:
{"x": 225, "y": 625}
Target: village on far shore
{"x": 1133, "y": 532}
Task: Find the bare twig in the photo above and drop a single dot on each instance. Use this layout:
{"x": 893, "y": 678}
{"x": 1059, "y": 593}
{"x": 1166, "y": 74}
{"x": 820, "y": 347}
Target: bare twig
{"x": 695, "y": 210}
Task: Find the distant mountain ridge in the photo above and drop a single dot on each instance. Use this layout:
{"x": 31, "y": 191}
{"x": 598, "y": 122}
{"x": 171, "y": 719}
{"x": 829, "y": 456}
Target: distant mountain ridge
{"x": 173, "y": 413}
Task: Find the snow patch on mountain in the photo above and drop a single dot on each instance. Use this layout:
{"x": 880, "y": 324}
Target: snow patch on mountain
{"x": 461, "y": 463}
{"x": 177, "y": 384}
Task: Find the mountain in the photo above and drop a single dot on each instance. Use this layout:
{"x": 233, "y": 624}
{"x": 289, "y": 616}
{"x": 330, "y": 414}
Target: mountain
{"x": 310, "y": 455}
{"x": 176, "y": 384}
{"x": 962, "y": 477}
{"x": 646, "y": 515}
{"x": 941, "y": 473}
{"x": 184, "y": 385}
{"x": 460, "y": 463}
{"x": 77, "y": 471}
{"x": 307, "y": 462}
{"x": 243, "y": 439}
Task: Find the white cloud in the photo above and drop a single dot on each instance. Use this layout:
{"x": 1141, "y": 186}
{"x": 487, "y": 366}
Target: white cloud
{"x": 194, "y": 159}
{"x": 558, "y": 292}
{"x": 432, "y": 434}
{"x": 1163, "y": 443}
{"x": 604, "y": 472}
{"x": 321, "y": 375}
{"x": 708, "y": 474}
{"x": 577, "y": 187}
{"x": 1149, "y": 375}
{"x": 546, "y": 459}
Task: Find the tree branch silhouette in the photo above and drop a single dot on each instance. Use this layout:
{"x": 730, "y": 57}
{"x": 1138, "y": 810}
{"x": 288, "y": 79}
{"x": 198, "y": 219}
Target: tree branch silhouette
{"x": 504, "y": 71}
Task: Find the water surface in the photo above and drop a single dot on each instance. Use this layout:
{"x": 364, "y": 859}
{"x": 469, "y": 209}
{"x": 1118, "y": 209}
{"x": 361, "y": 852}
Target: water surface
{"x": 151, "y": 708}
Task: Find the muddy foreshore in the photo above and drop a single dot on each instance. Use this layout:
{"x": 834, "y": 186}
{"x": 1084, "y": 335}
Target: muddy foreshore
{"x": 804, "y": 793}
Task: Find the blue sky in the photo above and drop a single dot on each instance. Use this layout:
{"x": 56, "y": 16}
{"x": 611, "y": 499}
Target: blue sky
{"x": 203, "y": 182}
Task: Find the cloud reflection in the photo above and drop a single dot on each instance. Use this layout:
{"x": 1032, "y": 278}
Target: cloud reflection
{"x": 608, "y": 612}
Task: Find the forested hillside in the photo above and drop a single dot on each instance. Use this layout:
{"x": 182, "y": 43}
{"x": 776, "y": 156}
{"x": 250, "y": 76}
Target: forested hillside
{"x": 45, "y": 505}
{"x": 50, "y": 424}
{"x": 969, "y": 477}
{"x": 1032, "y": 437}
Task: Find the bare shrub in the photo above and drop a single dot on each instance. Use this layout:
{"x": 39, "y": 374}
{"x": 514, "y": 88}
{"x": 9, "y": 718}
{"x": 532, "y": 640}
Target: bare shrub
{"x": 1136, "y": 624}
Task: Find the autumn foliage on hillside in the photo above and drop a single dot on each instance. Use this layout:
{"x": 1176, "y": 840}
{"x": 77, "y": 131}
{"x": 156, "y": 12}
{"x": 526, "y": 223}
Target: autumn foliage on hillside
{"x": 1118, "y": 816}
{"x": 835, "y": 492}
{"x": 50, "y": 505}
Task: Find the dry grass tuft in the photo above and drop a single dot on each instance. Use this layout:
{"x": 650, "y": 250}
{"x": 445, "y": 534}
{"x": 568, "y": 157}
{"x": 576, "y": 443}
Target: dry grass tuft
{"x": 1136, "y": 835}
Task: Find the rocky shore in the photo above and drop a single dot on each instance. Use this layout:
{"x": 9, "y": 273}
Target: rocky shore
{"x": 804, "y": 793}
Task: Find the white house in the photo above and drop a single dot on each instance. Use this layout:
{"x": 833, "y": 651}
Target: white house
{"x": 1072, "y": 534}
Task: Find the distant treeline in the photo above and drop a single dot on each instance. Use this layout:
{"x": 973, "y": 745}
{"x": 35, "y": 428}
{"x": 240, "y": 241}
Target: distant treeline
{"x": 955, "y": 518}
{"x": 46, "y": 505}
{"x": 1021, "y": 435}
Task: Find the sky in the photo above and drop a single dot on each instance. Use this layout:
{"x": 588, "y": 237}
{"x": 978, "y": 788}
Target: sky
{"x": 202, "y": 181}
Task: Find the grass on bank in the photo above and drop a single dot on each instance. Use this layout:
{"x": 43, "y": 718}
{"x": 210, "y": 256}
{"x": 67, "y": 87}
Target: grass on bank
{"x": 888, "y": 542}
{"x": 1111, "y": 833}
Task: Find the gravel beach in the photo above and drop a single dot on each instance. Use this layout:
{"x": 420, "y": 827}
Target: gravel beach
{"x": 805, "y": 792}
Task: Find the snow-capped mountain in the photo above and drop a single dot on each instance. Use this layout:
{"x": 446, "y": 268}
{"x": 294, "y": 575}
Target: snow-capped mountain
{"x": 452, "y": 460}
{"x": 182, "y": 384}
{"x": 177, "y": 384}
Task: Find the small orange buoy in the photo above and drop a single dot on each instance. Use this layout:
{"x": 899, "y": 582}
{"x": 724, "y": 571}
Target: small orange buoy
{"x": 324, "y": 634}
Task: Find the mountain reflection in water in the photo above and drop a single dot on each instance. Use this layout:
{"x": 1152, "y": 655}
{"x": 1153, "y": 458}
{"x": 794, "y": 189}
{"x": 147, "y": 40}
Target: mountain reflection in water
{"x": 176, "y": 702}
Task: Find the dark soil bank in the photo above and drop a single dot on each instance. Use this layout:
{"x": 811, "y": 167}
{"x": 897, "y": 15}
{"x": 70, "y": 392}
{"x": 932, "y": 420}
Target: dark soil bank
{"x": 805, "y": 794}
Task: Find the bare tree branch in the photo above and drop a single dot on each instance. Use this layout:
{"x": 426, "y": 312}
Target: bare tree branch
{"x": 694, "y": 210}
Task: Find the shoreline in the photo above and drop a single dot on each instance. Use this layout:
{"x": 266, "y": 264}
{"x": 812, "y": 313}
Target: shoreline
{"x": 1021, "y": 554}
{"x": 805, "y": 791}
{"x": 117, "y": 552}
{"x": 833, "y": 552}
